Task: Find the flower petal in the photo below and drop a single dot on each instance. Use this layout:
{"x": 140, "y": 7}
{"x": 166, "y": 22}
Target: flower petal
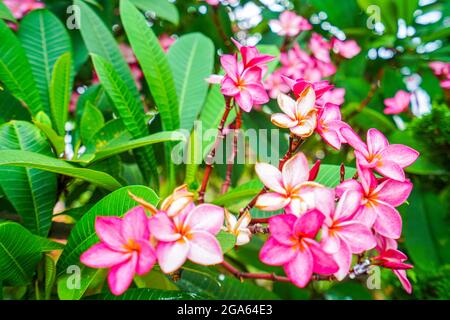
{"x": 281, "y": 227}
{"x": 309, "y": 223}
{"x": 283, "y": 121}
{"x": 244, "y": 100}
{"x": 271, "y": 201}
{"x": 270, "y": 176}
{"x": 109, "y": 231}
{"x": 401, "y": 275}
{"x": 300, "y": 269}
{"x": 229, "y": 64}
{"x": 343, "y": 258}
{"x": 388, "y": 222}
{"x": 274, "y": 253}
{"x": 163, "y": 228}
{"x": 146, "y": 259}
{"x": 393, "y": 192}
{"x": 323, "y": 262}
{"x": 204, "y": 248}
{"x": 348, "y": 204}
{"x": 295, "y": 171}
{"x": 305, "y": 103}
{"x": 121, "y": 276}
{"x": 287, "y": 105}
{"x": 357, "y": 235}
{"x": 354, "y": 140}
{"x": 135, "y": 224}
{"x": 101, "y": 256}
{"x": 376, "y": 141}
{"x": 402, "y": 155}
{"x": 172, "y": 255}
{"x": 206, "y": 217}
{"x": 390, "y": 169}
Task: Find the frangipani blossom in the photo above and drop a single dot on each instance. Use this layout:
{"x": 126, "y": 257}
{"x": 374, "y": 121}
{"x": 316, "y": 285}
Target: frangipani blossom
{"x": 190, "y": 235}
{"x": 290, "y": 187}
{"x": 341, "y": 234}
{"x": 329, "y": 125}
{"x": 251, "y": 57}
{"x": 398, "y": 104}
{"x": 242, "y": 84}
{"x": 390, "y": 257}
{"x": 124, "y": 248}
{"x": 379, "y": 155}
{"x": 440, "y": 68}
{"x": 379, "y": 198}
{"x": 289, "y": 24}
{"x": 300, "y": 116}
{"x": 292, "y": 245}
{"x": 166, "y": 41}
{"x": 238, "y": 227}
{"x": 320, "y": 47}
{"x": 347, "y": 49}
{"x": 334, "y": 96}
{"x": 299, "y": 85}
{"x": 275, "y": 84}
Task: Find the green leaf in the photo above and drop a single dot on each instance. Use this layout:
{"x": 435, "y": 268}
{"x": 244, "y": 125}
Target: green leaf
{"x": 131, "y": 112}
{"x": 191, "y": 59}
{"x": 44, "y": 38}
{"x": 61, "y": 91}
{"x": 148, "y": 294}
{"x": 15, "y": 70}
{"x": 88, "y": 278}
{"x": 19, "y": 254}
{"x": 32, "y": 192}
{"x": 329, "y": 175}
{"x": 56, "y": 140}
{"x": 50, "y": 276}
{"x": 5, "y": 13}
{"x": 273, "y": 51}
{"x": 91, "y": 121}
{"x": 39, "y": 161}
{"x": 99, "y": 41}
{"x": 162, "y": 8}
{"x": 227, "y": 241}
{"x": 12, "y": 109}
{"x": 245, "y": 191}
{"x": 83, "y": 235}
{"x": 154, "y": 64}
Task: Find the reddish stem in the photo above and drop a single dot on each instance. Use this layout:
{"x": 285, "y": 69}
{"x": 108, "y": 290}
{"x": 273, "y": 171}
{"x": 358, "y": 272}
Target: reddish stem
{"x": 237, "y": 127}
{"x": 210, "y": 157}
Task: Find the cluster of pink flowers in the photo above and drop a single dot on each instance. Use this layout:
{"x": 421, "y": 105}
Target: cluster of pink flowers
{"x": 22, "y": 7}
{"x": 365, "y": 216}
{"x": 178, "y": 231}
{"x": 314, "y": 66}
{"x": 442, "y": 71}
{"x": 243, "y": 78}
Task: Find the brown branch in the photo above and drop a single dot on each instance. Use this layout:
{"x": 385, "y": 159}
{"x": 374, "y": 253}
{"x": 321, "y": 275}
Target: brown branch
{"x": 237, "y": 127}
{"x": 210, "y": 157}
{"x": 216, "y": 20}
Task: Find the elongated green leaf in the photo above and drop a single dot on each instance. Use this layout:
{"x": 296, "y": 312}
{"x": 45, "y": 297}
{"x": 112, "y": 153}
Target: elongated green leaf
{"x": 99, "y": 41}
{"x": 148, "y": 294}
{"x": 329, "y": 175}
{"x": 45, "y": 39}
{"x": 15, "y": 70}
{"x": 91, "y": 121}
{"x": 19, "y": 254}
{"x": 138, "y": 143}
{"x": 131, "y": 112}
{"x": 50, "y": 276}
{"x": 32, "y": 192}
{"x": 245, "y": 191}
{"x": 227, "y": 241}
{"x": 12, "y": 109}
{"x": 5, "y": 13}
{"x": 48, "y": 245}
{"x": 39, "y": 161}
{"x": 162, "y": 8}
{"x": 61, "y": 90}
{"x": 83, "y": 235}
{"x": 56, "y": 140}
{"x": 68, "y": 289}
{"x": 191, "y": 59}
{"x": 154, "y": 64}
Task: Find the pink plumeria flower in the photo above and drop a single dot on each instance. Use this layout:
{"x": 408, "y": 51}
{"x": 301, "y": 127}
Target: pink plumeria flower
{"x": 299, "y": 85}
{"x": 329, "y": 125}
{"x": 300, "y": 116}
{"x": 212, "y": 2}
{"x": 19, "y": 8}
{"x": 275, "y": 84}
{"x": 320, "y": 47}
{"x": 190, "y": 235}
{"x": 251, "y": 57}
{"x": 289, "y": 24}
{"x": 242, "y": 84}
{"x": 291, "y": 188}
{"x": 379, "y": 155}
{"x": 440, "y": 68}
{"x": 379, "y": 199}
{"x": 166, "y": 41}
{"x": 335, "y": 96}
{"x": 326, "y": 69}
{"x": 398, "y": 104}
{"x": 390, "y": 257}
{"x": 292, "y": 245}
{"x": 347, "y": 49}
{"x": 341, "y": 234}
{"x": 238, "y": 227}
{"x": 445, "y": 84}
{"x": 124, "y": 248}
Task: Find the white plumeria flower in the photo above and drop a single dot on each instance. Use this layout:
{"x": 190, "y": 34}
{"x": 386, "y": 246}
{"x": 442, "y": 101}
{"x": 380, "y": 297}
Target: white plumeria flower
{"x": 239, "y": 227}
{"x": 298, "y": 116}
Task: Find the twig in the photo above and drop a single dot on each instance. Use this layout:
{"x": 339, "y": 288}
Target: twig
{"x": 210, "y": 157}
{"x": 237, "y": 127}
